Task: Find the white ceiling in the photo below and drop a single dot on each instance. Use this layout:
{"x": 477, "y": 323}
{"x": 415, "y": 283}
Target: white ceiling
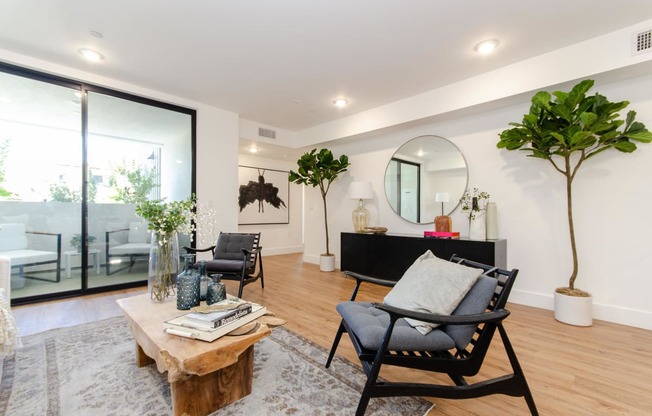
{"x": 282, "y": 62}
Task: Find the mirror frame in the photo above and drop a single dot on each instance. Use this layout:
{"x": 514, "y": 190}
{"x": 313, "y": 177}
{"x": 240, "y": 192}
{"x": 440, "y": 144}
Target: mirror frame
{"x": 424, "y": 193}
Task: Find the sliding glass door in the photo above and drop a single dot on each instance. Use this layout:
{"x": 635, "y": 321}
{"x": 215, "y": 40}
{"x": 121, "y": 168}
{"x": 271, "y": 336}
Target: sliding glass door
{"x": 147, "y": 154}
{"x": 74, "y": 159}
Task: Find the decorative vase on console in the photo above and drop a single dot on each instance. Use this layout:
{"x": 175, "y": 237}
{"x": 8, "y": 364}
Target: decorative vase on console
{"x": 475, "y": 204}
{"x": 477, "y": 223}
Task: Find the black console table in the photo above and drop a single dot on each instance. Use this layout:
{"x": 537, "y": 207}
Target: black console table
{"x": 390, "y": 255}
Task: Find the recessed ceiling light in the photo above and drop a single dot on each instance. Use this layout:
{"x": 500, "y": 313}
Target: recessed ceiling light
{"x": 486, "y": 46}
{"x": 340, "y": 102}
{"x": 96, "y": 34}
{"x": 91, "y": 55}
{"x": 253, "y": 149}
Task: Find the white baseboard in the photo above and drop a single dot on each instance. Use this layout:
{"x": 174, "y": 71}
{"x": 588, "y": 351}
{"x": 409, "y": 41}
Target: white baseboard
{"x": 609, "y": 313}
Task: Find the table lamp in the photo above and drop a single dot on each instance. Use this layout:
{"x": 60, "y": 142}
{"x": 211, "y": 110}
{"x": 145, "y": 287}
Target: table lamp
{"x": 360, "y": 191}
{"x": 443, "y": 223}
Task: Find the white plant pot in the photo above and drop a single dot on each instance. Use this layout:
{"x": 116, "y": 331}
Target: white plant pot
{"x": 574, "y": 310}
{"x": 327, "y": 263}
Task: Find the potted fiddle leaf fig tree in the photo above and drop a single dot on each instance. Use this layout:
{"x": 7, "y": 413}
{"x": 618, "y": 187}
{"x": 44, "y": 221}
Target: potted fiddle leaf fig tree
{"x": 320, "y": 169}
{"x": 567, "y": 131}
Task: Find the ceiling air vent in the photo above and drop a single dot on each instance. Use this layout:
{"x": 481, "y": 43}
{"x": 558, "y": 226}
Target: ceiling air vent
{"x": 642, "y": 42}
{"x": 271, "y": 134}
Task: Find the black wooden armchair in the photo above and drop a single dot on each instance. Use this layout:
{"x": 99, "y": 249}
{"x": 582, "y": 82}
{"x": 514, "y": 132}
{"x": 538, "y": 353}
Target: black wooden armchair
{"x": 457, "y": 348}
{"x": 236, "y": 256}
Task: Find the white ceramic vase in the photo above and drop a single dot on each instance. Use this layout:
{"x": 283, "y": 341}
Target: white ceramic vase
{"x": 478, "y": 227}
{"x": 492, "y": 221}
{"x": 574, "y": 310}
{"x": 327, "y": 263}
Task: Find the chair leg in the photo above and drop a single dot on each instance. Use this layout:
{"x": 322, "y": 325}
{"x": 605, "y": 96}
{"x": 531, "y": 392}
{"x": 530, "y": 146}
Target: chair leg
{"x": 241, "y": 286}
{"x": 260, "y": 271}
{"x": 336, "y": 342}
{"x": 518, "y": 371}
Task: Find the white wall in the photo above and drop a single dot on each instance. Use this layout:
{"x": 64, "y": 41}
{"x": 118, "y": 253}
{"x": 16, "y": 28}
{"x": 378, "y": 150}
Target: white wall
{"x": 611, "y": 220}
{"x": 278, "y": 238}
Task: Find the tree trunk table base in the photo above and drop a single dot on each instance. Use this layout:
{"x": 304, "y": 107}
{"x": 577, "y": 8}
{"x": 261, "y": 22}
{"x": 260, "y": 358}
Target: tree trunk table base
{"x": 203, "y": 376}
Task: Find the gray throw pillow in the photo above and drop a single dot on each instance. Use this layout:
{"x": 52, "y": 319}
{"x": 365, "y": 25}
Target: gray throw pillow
{"x": 432, "y": 285}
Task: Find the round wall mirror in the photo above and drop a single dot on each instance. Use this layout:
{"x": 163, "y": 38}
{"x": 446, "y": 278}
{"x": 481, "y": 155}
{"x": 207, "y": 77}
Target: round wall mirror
{"x": 426, "y": 177}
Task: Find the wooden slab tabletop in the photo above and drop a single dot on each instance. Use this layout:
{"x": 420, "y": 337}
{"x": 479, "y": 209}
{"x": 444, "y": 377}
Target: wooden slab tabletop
{"x": 177, "y": 355}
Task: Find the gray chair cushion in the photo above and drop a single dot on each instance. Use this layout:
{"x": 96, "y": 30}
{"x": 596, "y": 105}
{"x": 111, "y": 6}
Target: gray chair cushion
{"x": 369, "y": 325}
{"x": 476, "y": 301}
{"x": 229, "y": 246}
{"x": 227, "y": 266}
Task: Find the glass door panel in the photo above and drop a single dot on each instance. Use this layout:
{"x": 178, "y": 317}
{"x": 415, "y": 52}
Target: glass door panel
{"x": 40, "y": 184}
{"x": 134, "y": 151}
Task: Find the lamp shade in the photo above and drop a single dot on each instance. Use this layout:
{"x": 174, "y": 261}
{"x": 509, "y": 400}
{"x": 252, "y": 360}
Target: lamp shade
{"x": 442, "y": 197}
{"x": 361, "y": 190}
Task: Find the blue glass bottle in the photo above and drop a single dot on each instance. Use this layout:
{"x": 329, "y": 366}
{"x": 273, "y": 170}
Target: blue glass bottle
{"x": 188, "y": 285}
{"x": 216, "y": 290}
{"x": 204, "y": 280}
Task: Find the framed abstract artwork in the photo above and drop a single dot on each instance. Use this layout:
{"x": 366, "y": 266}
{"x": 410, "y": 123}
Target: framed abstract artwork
{"x": 263, "y": 196}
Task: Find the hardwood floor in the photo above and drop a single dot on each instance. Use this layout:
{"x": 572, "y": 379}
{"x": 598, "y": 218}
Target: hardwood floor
{"x": 605, "y": 369}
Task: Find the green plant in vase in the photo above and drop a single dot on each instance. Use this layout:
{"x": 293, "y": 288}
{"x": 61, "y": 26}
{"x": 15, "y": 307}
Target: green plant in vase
{"x": 165, "y": 220}
{"x": 77, "y": 241}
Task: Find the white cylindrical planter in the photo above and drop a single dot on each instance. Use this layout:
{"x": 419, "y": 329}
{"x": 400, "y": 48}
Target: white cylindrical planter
{"x": 327, "y": 263}
{"x": 574, "y": 310}
{"x": 492, "y": 221}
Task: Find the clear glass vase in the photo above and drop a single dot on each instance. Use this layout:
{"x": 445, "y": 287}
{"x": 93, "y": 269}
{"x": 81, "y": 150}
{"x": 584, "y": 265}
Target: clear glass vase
{"x": 163, "y": 266}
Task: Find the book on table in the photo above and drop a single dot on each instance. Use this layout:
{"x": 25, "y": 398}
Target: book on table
{"x": 212, "y": 320}
{"x": 182, "y": 326}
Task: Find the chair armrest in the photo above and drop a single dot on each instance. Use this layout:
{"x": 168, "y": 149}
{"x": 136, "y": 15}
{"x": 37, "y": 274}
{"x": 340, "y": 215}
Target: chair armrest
{"x": 42, "y": 233}
{"x": 254, "y": 251}
{"x": 117, "y": 230}
{"x": 58, "y": 236}
{"x": 479, "y": 318}
{"x": 375, "y": 280}
{"x": 198, "y": 250}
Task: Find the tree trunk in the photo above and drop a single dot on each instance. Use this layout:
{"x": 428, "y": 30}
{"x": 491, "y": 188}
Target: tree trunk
{"x": 571, "y": 227}
{"x": 323, "y": 197}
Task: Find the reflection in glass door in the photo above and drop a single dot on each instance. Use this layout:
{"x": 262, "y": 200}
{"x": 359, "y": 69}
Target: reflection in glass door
{"x": 402, "y": 188}
{"x": 40, "y": 184}
{"x": 135, "y": 151}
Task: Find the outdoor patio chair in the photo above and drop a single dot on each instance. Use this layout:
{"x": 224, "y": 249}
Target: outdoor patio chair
{"x": 457, "y": 347}
{"x": 236, "y": 256}
{"x": 19, "y": 245}
{"x": 133, "y": 242}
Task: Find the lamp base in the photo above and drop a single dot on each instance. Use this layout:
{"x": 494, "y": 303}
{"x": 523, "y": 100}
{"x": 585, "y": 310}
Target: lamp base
{"x": 360, "y": 218}
{"x": 443, "y": 223}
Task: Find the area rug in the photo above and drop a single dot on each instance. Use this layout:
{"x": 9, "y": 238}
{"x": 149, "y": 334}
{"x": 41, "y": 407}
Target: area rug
{"x": 90, "y": 370}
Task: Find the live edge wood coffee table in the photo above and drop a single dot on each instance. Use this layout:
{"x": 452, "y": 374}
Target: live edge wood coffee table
{"x": 203, "y": 376}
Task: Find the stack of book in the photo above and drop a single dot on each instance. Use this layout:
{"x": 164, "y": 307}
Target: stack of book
{"x": 212, "y": 325}
{"x": 442, "y": 234}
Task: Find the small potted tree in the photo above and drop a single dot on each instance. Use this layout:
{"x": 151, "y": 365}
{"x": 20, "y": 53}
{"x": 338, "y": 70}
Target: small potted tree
{"x": 567, "y": 131}
{"x": 320, "y": 169}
